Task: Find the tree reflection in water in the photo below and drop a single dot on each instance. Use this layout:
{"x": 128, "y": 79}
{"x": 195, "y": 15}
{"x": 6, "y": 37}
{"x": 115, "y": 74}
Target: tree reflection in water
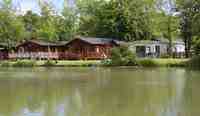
{"x": 96, "y": 92}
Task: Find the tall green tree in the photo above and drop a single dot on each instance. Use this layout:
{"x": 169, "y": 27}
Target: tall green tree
{"x": 31, "y": 23}
{"x": 47, "y": 29}
{"x": 115, "y": 19}
{"x": 11, "y": 27}
{"x": 67, "y": 23}
{"x": 165, "y": 23}
{"x": 190, "y": 11}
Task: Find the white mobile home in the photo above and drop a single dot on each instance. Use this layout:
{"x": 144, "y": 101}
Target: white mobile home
{"x": 156, "y": 48}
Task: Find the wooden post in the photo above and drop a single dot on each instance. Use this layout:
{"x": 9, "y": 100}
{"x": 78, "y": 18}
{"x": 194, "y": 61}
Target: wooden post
{"x": 48, "y": 51}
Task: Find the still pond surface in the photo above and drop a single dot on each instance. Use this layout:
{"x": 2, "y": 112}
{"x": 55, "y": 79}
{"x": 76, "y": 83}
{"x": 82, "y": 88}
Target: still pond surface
{"x": 99, "y": 92}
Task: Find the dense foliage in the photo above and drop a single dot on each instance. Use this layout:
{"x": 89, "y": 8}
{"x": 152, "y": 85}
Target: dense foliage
{"x": 116, "y": 19}
{"x": 190, "y": 23}
{"x": 121, "y": 56}
{"x": 48, "y": 24}
{"x": 126, "y": 20}
{"x": 195, "y": 62}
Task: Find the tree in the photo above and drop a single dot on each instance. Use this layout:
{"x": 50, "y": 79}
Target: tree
{"x": 190, "y": 11}
{"x": 54, "y": 26}
{"x": 165, "y": 23}
{"x": 12, "y": 28}
{"x": 6, "y": 4}
{"x": 115, "y": 19}
{"x": 67, "y": 24}
{"x": 47, "y": 29}
{"x": 31, "y": 23}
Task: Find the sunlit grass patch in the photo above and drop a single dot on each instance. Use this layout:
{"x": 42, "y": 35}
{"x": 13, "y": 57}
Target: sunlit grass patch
{"x": 147, "y": 62}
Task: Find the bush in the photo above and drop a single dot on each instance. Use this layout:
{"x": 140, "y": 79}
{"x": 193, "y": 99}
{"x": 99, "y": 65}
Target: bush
{"x": 194, "y": 62}
{"x": 147, "y": 63}
{"x": 107, "y": 62}
{"x": 23, "y": 63}
{"x": 165, "y": 56}
{"x": 121, "y": 56}
{"x": 197, "y": 46}
{"x": 49, "y": 63}
{"x": 5, "y": 64}
{"x": 162, "y": 62}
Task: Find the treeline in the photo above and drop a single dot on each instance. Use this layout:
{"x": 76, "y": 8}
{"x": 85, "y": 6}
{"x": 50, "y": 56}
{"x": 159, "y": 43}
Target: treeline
{"x": 126, "y": 20}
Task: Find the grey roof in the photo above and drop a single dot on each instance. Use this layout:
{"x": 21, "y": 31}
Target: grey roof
{"x": 145, "y": 42}
{"x": 157, "y": 41}
{"x": 45, "y": 43}
{"x": 176, "y": 41}
{"x": 96, "y": 41}
{"x": 161, "y": 40}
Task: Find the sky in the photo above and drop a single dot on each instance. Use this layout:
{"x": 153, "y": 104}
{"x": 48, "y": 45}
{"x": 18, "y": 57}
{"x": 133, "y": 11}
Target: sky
{"x": 24, "y": 5}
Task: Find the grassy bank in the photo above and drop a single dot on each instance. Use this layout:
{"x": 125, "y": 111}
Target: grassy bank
{"x": 162, "y": 62}
{"x": 84, "y": 63}
{"x": 51, "y": 63}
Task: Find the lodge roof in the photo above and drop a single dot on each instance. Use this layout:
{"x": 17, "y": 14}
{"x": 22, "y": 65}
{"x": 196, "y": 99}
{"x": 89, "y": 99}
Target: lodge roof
{"x": 45, "y": 43}
{"x": 96, "y": 41}
{"x": 145, "y": 42}
{"x": 157, "y": 41}
{"x": 90, "y": 40}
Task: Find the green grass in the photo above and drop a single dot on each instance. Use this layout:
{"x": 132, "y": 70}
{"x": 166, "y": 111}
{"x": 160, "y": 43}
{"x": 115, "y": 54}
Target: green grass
{"x": 78, "y": 63}
{"x": 162, "y": 62}
{"x": 51, "y": 63}
{"x": 87, "y": 63}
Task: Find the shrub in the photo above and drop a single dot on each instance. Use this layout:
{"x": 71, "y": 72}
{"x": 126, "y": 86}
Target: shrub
{"x": 194, "y": 62}
{"x": 6, "y": 64}
{"x": 121, "y": 56}
{"x": 165, "y": 56}
{"x": 49, "y": 63}
{"x": 147, "y": 63}
{"x": 106, "y": 62}
{"x": 163, "y": 62}
{"x": 23, "y": 63}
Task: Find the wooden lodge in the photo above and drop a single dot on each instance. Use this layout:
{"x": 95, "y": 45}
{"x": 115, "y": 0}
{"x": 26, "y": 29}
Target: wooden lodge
{"x": 76, "y": 49}
{"x": 39, "y": 49}
{"x": 90, "y": 48}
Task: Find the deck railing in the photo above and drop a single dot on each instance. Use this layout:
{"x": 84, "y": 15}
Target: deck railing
{"x": 56, "y": 55}
{"x": 42, "y": 55}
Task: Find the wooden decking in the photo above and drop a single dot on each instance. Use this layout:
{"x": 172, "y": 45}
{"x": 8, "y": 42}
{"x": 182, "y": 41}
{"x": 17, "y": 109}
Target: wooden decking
{"x": 57, "y": 55}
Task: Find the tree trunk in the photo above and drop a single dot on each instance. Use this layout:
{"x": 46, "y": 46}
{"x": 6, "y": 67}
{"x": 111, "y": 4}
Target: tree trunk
{"x": 188, "y": 45}
{"x": 170, "y": 52}
{"x": 170, "y": 48}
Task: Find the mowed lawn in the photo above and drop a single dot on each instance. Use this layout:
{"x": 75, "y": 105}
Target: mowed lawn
{"x": 167, "y": 62}
{"x": 30, "y": 63}
{"x": 144, "y": 62}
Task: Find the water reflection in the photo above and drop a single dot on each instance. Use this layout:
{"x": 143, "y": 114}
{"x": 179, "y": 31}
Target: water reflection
{"x": 99, "y": 92}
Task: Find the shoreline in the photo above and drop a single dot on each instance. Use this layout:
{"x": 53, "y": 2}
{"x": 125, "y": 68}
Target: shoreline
{"x": 90, "y": 63}
{"x": 49, "y": 63}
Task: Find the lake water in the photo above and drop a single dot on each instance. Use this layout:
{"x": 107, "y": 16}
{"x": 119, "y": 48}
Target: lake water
{"x": 99, "y": 92}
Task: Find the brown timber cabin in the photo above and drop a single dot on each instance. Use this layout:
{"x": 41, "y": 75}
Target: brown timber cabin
{"x": 39, "y": 49}
{"x": 79, "y": 48}
{"x": 90, "y": 48}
